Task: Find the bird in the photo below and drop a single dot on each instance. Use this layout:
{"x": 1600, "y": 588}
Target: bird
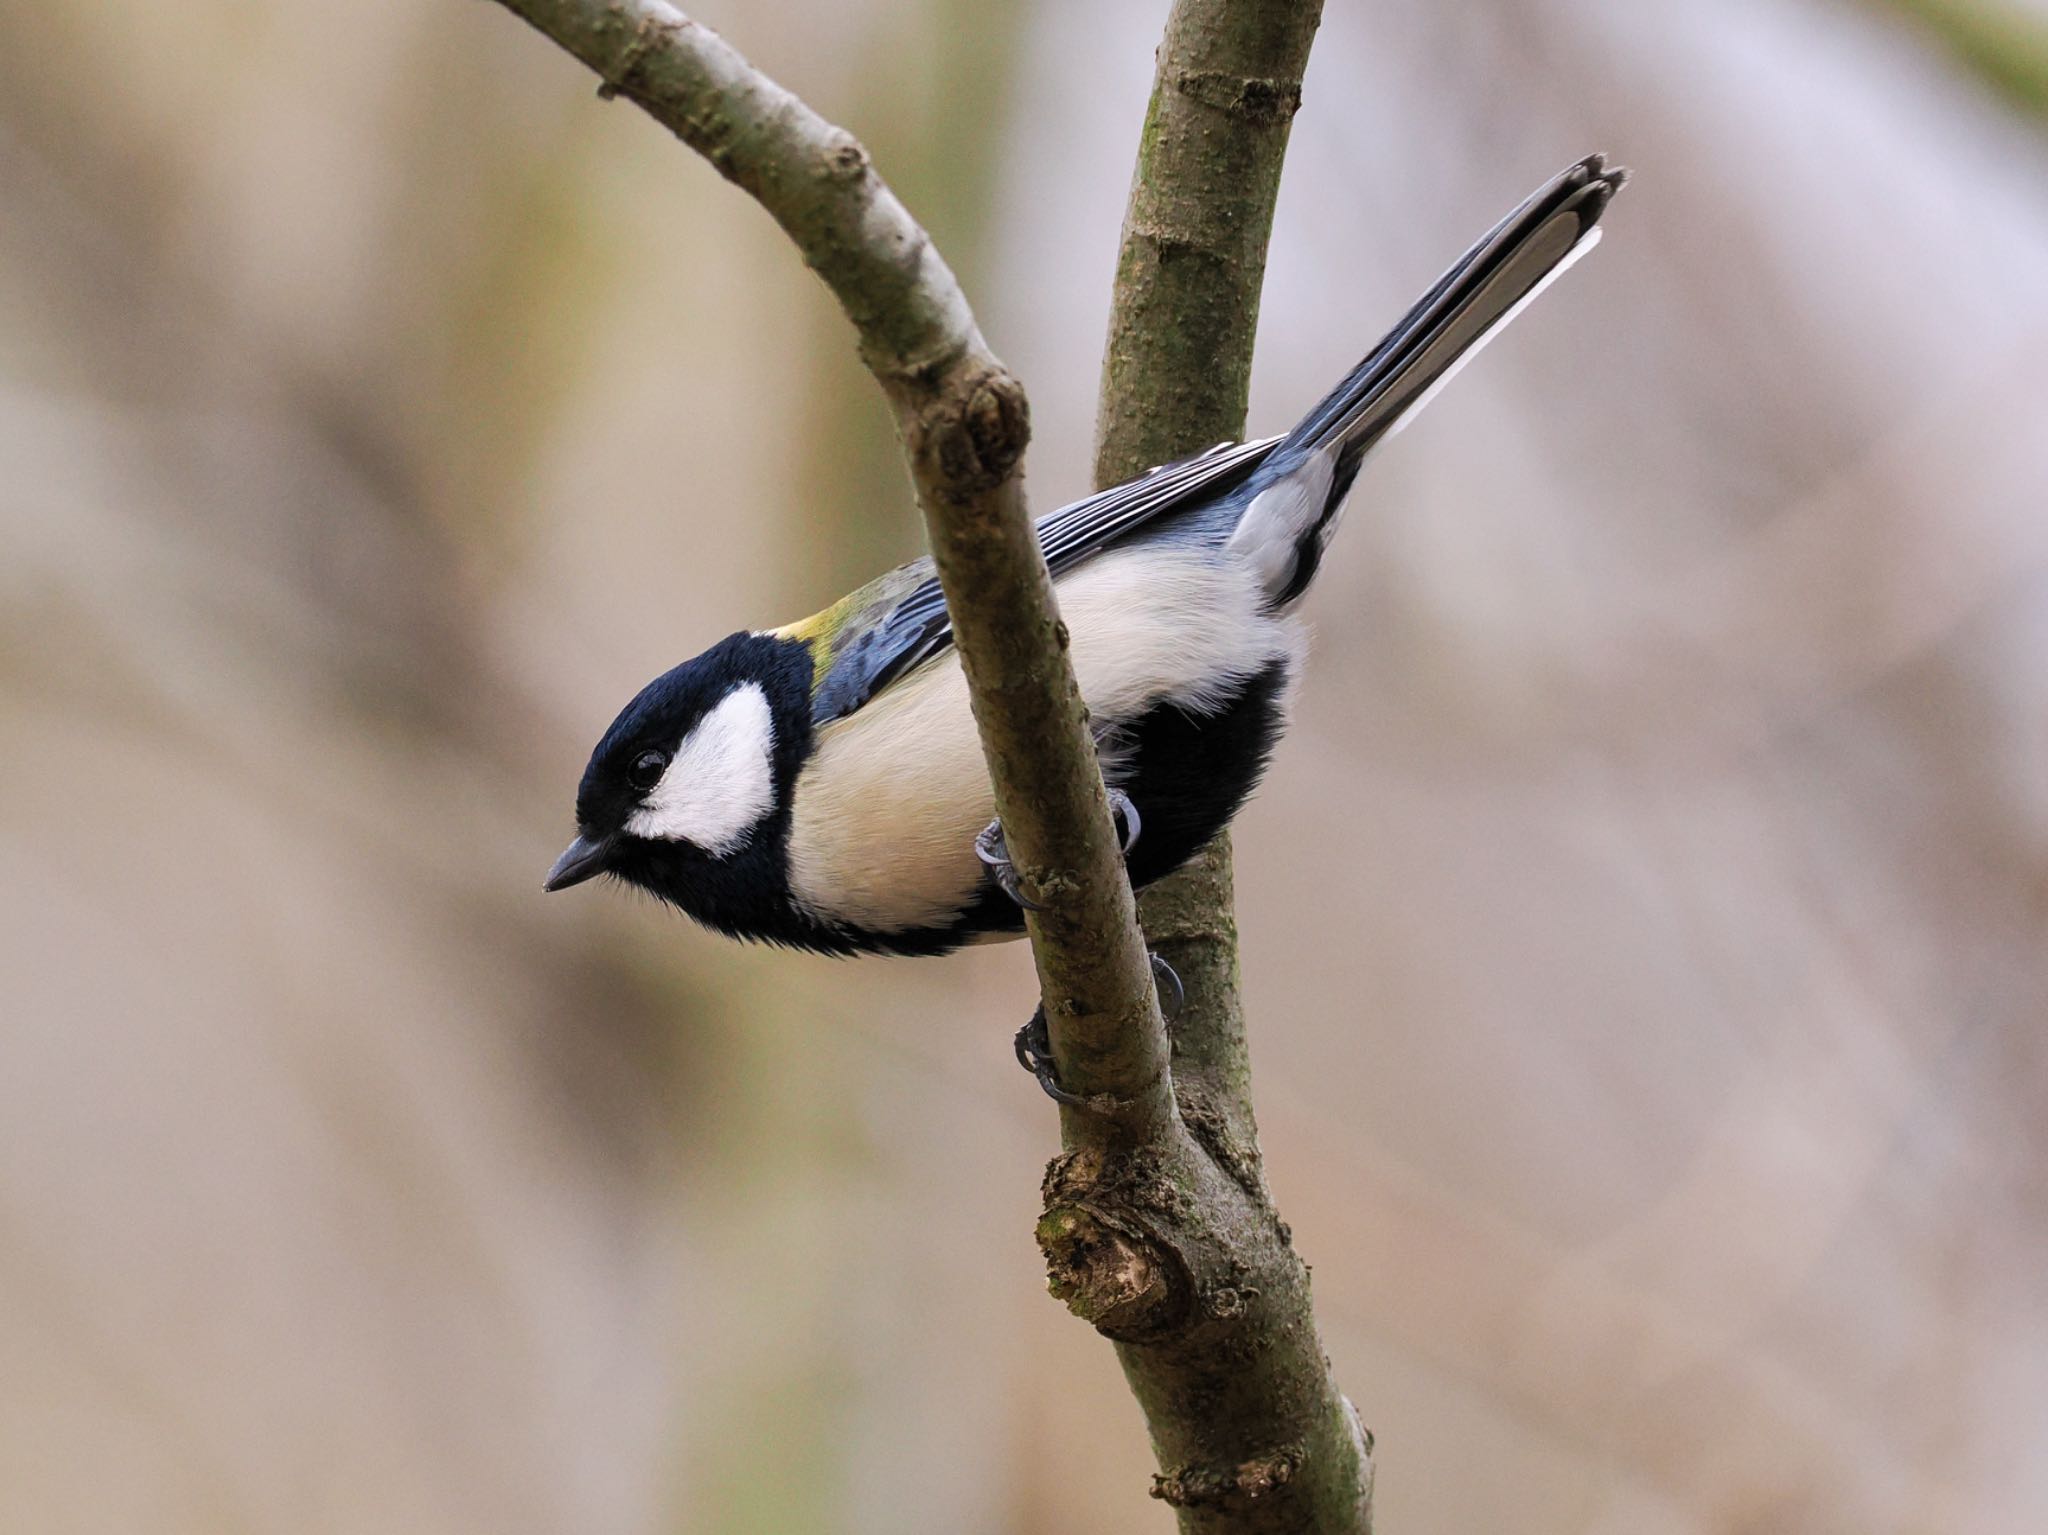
{"x": 821, "y": 785}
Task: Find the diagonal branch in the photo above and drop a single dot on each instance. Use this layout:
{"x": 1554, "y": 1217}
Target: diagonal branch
{"x": 964, "y": 424}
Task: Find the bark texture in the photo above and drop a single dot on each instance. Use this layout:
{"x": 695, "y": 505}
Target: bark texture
{"x": 1175, "y": 1249}
{"x": 1177, "y": 370}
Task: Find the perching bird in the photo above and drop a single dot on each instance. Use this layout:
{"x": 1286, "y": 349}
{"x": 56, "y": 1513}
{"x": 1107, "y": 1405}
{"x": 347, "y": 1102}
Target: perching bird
{"x": 821, "y": 785}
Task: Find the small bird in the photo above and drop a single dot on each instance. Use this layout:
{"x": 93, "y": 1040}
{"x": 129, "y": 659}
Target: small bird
{"x": 822, "y": 786}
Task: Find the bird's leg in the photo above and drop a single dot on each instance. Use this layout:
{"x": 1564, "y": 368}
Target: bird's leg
{"x": 1034, "y": 1040}
{"x": 994, "y": 852}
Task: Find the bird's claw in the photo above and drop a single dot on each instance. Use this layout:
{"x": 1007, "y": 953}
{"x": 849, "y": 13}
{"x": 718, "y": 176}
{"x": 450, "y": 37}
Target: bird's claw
{"x": 1034, "y": 1054}
{"x": 994, "y": 852}
{"x": 1034, "y": 1040}
{"x": 1127, "y": 821}
{"x": 1166, "y": 982}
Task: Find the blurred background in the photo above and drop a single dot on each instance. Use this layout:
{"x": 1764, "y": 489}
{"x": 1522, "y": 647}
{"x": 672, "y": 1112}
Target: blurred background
{"x": 1645, "y": 926}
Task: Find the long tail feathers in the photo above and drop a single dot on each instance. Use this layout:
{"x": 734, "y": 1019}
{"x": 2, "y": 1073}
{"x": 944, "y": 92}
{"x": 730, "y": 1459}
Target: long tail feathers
{"x": 1470, "y": 303}
{"x": 1490, "y": 285}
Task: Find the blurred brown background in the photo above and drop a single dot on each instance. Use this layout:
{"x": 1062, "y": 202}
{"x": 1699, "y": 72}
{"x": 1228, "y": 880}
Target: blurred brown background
{"x": 1644, "y": 924}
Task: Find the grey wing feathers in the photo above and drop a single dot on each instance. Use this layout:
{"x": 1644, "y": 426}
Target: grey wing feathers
{"x": 1293, "y": 486}
{"x": 1074, "y": 532}
{"x": 917, "y": 628}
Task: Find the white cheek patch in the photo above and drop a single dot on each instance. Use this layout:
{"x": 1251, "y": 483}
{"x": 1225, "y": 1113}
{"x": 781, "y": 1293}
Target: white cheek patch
{"x": 721, "y": 784}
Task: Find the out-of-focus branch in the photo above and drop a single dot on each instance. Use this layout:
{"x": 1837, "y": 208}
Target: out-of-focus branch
{"x": 2006, "y": 44}
{"x": 964, "y": 426}
{"x": 915, "y": 327}
{"x": 1222, "y": 1351}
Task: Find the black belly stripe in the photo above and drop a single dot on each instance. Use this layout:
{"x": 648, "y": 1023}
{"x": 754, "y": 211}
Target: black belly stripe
{"x": 1192, "y": 772}
{"x": 1187, "y": 773}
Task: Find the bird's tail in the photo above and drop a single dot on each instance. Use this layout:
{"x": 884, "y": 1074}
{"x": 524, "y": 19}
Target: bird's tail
{"x": 1314, "y": 465}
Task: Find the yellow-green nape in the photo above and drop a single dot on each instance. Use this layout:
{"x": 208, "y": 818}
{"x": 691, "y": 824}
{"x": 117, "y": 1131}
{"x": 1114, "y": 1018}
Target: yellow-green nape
{"x": 829, "y": 631}
{"x": 818, "y": 632}
{"x": 821, "y": 625}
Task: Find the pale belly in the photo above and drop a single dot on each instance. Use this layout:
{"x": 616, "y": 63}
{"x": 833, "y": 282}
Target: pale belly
{"x": 887, "y": 808}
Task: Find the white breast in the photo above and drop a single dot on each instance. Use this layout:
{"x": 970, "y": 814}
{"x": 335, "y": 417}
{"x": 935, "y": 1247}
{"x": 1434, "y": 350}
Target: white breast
{"x": 888, "y": 806}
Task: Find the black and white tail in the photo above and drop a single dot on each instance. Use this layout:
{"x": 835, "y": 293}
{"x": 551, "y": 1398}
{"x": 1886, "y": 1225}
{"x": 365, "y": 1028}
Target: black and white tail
{"x": 1287, "y": 526}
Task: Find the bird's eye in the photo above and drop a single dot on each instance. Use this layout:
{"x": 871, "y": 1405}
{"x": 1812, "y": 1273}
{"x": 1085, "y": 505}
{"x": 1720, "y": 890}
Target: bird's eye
{"x": 646, "y": 770}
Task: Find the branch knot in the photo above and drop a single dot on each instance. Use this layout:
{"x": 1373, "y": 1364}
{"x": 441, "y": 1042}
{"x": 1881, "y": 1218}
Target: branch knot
{"x": 1228, "y": 1488}
{"x": 1258, "y": 101}
{"x": 845, "y": 157}
{"x": 1102, "y": 1255}
{"x": 1111, "y": 1274}
{"x": 970, "y": 438}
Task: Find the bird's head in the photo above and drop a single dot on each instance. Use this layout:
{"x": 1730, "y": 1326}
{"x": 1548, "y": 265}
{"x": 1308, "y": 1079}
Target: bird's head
{"x": 696, "y": 772}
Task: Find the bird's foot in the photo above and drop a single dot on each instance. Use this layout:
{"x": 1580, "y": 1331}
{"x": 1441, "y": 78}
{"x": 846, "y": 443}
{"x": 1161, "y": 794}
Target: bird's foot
{"x": 1166, "y": 981}
{"x": 1034, "y": 1040}
{"x": 1034, "y": 1054}
{"x": 994, "y": 852}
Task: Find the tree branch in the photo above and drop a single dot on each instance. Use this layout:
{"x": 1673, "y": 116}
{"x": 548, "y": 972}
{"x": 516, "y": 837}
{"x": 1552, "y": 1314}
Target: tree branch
{"x": 2005, "y": 44}
{"x": 1246, "y": 1418}
{"x": 964, "y": 424}
{"x": 1157, "y": 1227}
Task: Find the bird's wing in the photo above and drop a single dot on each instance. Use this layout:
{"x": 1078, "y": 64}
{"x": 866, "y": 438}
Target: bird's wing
{"x": 1074, "y": 532}
{"x": 867, "y": 639}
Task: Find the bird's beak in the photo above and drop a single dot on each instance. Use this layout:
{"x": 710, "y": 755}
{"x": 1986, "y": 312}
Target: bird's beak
{"x": 579, "y": 861}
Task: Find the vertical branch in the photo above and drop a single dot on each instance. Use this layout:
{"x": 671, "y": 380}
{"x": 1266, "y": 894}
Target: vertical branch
{"x": 1176, "y": 378}
{"x": 1177, "y": 370}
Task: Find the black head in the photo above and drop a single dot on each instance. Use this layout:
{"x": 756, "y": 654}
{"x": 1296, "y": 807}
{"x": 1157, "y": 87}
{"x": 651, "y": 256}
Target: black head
{"x": 688, "y": 793}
